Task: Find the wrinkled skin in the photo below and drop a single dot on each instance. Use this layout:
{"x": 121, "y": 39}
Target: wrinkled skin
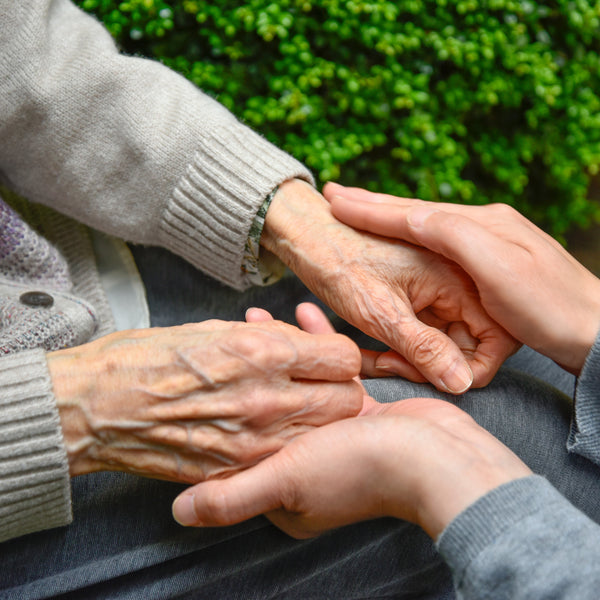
{"x": 200, "y": 400}
{"x": 425, "y": 309}
{"x": 527, "y": 281}
{"x": 421, "y": 460}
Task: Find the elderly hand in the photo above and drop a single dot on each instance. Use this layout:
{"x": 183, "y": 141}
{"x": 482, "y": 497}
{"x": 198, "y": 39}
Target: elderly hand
{"x": 424, "y": 308}
{"x": 200, "y": 400}
{"x": 527, "y": 282}
{"x": 422, "y": 460}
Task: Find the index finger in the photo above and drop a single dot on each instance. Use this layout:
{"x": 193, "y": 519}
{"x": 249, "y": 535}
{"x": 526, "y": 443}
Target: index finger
{"x": 269, "y": 350}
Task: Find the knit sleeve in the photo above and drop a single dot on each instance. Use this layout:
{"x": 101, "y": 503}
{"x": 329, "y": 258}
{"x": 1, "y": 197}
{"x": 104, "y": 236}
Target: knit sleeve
{"x": 523, "y": 540}
{"x": 126, "y": 145}
{"x": 34, "y": 475}
{"x": 584, "y": 436}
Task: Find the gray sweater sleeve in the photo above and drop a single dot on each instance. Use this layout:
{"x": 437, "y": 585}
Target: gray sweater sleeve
{"x": 521, "y": 541}
{"x": 524, "y": 539}
{"x": 35, "y": 487}
{"x": 124, "y": 144}
{"x": 584, "y": 436}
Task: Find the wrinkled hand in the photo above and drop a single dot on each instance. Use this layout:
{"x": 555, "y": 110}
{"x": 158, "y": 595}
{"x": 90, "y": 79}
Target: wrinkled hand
{"x": 424, "y": 308}
{"x": 527, "y": 281}
{"x": 312, "y": 320}
{"x": 422, "y": 460}
{"x": 200, "y": 400}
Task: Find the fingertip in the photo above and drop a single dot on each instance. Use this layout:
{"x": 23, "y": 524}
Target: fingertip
{"x": 258, "y": 315}
{"x": 330, "y": 188}
{"x": 458, "y": 378}
{"x": 184, "y": 510}
{"x": 312, "y": 319}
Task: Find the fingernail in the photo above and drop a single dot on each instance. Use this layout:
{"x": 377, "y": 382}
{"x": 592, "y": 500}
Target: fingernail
{"x": 184, "y": 510}
{"x": 417, "y": 216}
{"x": 387, "y": 363}
{"x": 458, "y": 378}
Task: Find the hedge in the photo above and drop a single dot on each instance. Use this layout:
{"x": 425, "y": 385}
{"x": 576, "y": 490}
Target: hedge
{"x": 454, "y": 100}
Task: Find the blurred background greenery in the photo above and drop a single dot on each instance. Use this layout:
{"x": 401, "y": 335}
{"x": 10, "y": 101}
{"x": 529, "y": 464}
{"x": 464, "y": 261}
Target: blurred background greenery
{"x": 454, "y": 100}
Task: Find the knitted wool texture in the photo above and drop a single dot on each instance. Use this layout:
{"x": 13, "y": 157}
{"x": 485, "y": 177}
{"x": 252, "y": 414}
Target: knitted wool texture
{"x": 29, "y": 262}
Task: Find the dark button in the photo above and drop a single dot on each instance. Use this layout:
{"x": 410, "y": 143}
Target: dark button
{"x": 36, "y": 299}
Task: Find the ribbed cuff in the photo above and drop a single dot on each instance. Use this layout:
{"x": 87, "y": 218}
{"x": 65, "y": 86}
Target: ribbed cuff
{"x": 211, "y": 211}
{"x": 35, "y": 490}
{"x": 584, "y": 436}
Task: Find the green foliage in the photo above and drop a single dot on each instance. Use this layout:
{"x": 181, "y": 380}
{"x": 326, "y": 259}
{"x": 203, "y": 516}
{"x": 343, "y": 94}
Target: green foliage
{"x": 454, "y": 100}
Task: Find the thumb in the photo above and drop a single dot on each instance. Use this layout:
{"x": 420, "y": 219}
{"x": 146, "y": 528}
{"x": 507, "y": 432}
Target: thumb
{"x": 433, "y": 353}
{"x": 229, "y": 501}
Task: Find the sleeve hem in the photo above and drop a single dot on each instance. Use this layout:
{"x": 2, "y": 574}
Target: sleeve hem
{"x": 35, "y": 492}
{"x": 213, "y": 206}
{"x": 584, "y": 435}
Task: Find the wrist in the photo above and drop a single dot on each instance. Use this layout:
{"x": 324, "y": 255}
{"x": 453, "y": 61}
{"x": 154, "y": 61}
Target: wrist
{"x": 294, "y": 209}
{"x": 586, "y": 331}
{"x": 71, "y": 384}
{"x": 465, "y": 472}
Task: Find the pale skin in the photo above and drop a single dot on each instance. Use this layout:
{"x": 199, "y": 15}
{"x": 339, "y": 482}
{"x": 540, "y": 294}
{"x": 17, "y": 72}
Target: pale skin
{"x": 526, "y": 280}
{"x": 142, "y": 401}
{"x": 399, "y": 294}
{"x": 201, "y": 400}
{"x": 422, "y": 460}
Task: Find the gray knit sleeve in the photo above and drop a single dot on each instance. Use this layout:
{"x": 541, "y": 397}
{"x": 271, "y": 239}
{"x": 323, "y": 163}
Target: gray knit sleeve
{"x": 126, "y": 145}
{"x": 584, "y": 436}
{"x": 35, "y": 491}
{"x": 523, "y": 540}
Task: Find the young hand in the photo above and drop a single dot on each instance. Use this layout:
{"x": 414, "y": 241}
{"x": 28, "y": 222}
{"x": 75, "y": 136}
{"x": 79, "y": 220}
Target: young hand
{"x": 422, "y": 460}
{"x": 526, "y": 280}
{"x": 426, "y": 310}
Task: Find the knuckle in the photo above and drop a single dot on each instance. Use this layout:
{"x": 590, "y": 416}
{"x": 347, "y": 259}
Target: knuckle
{"x": 427, "y": 347}
{"x": 502, "y": 210}
{"x": 263, "y": 348}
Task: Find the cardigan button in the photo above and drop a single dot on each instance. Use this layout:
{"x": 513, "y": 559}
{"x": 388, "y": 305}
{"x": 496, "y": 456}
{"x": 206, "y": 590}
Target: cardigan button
{"x": 36, "y": 299}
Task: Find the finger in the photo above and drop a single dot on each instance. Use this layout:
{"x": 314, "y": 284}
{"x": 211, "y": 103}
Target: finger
{"x": 385, "y": 219}
{"x": 494, "y": 348}
{"x": 312, "y": 319}
{"x": 459, "y": 238}
{"x": 434, "y": 355}
{"x": 270, "y": 350}
{"x": 460, "y": 334}
{"x": 229, "y": 501}
{"x": 388, "y": 364}
{"x": 258, "y": 315}
{"x": 332, "y": 189}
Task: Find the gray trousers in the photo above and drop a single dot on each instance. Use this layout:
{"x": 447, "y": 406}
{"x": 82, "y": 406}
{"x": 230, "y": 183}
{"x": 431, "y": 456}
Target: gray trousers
{"x": 124, "y": 544}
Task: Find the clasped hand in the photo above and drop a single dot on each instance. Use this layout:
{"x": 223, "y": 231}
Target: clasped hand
{"x": 200, "y": 400}
{"x": 425, "y": 308}
{"x": 421, "y": 460}
{"x": 526, "y": 281}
